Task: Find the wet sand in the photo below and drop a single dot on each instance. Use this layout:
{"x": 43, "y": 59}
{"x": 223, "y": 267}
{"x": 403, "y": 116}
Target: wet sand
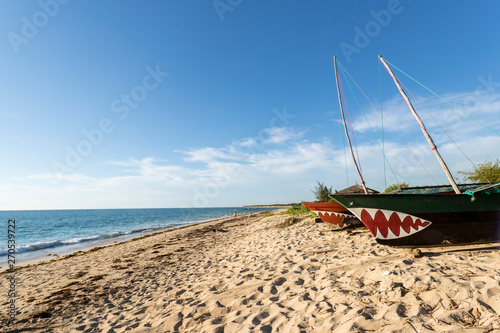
{"x": 259, "y": 273}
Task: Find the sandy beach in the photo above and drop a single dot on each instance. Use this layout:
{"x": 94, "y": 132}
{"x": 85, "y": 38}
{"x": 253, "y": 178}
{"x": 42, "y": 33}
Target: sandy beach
{"x": 261, "y": 272}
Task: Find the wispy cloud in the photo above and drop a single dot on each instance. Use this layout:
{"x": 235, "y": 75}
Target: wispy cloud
{"x": 395, "y": 115}
{"x": 278, "y": 135}
{"x": 242, "y": 151}
{"x": 271, "y": 157}
{"x": 299, "y": 158}
{"x": 276, "y": 159}
{"x": 436, "y": 114}
{"x": 54, "y": 177}
{"x": 150, "y": 167}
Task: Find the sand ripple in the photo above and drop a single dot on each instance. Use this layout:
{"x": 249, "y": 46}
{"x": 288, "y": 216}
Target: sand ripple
{"x": 252, "y": 274}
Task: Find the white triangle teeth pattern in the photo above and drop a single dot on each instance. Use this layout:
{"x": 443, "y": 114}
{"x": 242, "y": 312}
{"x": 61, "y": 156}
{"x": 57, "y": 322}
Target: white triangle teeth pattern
{"x": 357, "y": 212}
{"x": 334, "y": 225}
{"x": 332, "y": 213}
{"x": 387, "y": 214}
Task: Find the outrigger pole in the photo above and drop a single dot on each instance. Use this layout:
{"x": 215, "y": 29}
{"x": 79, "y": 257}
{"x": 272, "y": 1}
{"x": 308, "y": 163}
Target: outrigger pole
{"x": 424, "y": 130}
{"x": 345, "y": 127}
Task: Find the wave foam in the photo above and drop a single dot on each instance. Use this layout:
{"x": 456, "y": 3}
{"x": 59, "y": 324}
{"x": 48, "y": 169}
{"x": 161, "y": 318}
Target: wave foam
{"x": 57, "y": 243}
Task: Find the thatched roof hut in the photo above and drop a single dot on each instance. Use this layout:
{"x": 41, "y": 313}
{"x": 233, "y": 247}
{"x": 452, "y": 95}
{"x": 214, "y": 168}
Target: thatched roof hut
{"x": 356, "y": 189}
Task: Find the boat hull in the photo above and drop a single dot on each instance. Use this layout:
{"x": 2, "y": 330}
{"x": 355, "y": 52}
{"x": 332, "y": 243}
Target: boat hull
{"x": 428, "y": 219}
{"x": 333, "y": 214}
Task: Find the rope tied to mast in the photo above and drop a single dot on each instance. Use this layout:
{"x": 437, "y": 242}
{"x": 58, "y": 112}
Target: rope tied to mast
{"x": 443, "y": 99}
{"x": 417, "y": 118}
{"x": 442, "y": 129}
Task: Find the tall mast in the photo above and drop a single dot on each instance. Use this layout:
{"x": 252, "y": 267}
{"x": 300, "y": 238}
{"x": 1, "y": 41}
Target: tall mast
{"x": 345, "y": 127}
{"x": 424, "y": 130}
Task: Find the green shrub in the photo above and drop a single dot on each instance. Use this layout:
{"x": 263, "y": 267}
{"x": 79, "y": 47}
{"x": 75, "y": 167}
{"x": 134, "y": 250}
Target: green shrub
{"x": 488, "y": 171}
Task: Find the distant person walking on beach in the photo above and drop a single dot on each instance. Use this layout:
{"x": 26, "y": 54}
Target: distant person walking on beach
{"x": 235, "y": 212}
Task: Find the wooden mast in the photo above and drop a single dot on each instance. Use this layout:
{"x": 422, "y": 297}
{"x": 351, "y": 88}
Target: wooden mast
{"x": 345, "y": 127}
{"x": 424, "y": 130}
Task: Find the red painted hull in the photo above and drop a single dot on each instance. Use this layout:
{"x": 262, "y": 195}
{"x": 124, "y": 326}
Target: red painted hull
{"x": 333, "y": 214}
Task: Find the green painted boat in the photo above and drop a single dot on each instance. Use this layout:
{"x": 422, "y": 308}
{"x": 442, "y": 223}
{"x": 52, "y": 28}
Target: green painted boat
{"x": 426, "y": 216}
{"x": 437, "y": 217}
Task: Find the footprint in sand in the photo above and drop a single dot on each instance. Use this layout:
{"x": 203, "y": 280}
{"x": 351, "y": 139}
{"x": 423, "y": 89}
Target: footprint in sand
{"x": 299, "y": 282}
{"x": 258, "y": 318}
{"x": 180, "y": 292}
{"x": 266, "y": 329}
{"x": 279, "y": 281}
{"x": 401, "y": 311}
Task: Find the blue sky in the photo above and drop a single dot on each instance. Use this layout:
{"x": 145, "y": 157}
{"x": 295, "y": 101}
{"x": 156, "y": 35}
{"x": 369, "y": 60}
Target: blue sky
{"x": 127, "y": 104}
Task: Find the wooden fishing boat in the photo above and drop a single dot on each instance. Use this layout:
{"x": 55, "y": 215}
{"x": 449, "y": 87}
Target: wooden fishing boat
{"x": 460, "y": 214}
{"x": 333, "y": 214}
{"x": 430, "y": 219}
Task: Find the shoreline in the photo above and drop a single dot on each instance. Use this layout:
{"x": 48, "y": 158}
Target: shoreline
{"x": 270, "y": 206}
{"x": 66, "y": 251}
{"x": 259, "y": 272}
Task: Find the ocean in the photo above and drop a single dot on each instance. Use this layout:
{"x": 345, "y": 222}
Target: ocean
{"x": 42, "y": 233}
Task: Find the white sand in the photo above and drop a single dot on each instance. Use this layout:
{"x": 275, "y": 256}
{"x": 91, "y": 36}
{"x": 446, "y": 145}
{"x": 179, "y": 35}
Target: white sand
{"x": 251, "y": 276}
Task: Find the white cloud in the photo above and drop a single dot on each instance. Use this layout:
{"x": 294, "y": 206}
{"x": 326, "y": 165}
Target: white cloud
{"x": 278, "y": 135}
{"x": 241, "y": 151}
{"x": 270, "y": 158}
{"x": 278, "y": 161}
{"x": 208, "y": 154}
{"x": 484, "y": 107}
{"x": 297, "y": 159}
{"x": 395, "y": 114}
{"x": 149, "y": 168}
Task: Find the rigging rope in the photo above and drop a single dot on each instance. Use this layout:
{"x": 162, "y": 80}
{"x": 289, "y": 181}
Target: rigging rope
{"x": 393, "y": 130}
{"x": 445, "y": 133}
{"x": 443, "y": 99}
{"x": 342, "y": 69}
{"x": 352, "y": 132}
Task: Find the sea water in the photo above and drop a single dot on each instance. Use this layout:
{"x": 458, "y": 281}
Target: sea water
{"x": 40, "y": 233}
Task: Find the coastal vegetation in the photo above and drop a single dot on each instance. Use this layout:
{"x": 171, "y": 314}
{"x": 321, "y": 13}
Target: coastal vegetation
{"x": 295, "y": 214}
{"x": 322, "y": 192}
{"x": 489, "y": 171}
{"x": 267, "y": 215}
{"x": 298, "y": 210}
{"x": 395, "y": 187}
{"x": 271, "y": 206}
